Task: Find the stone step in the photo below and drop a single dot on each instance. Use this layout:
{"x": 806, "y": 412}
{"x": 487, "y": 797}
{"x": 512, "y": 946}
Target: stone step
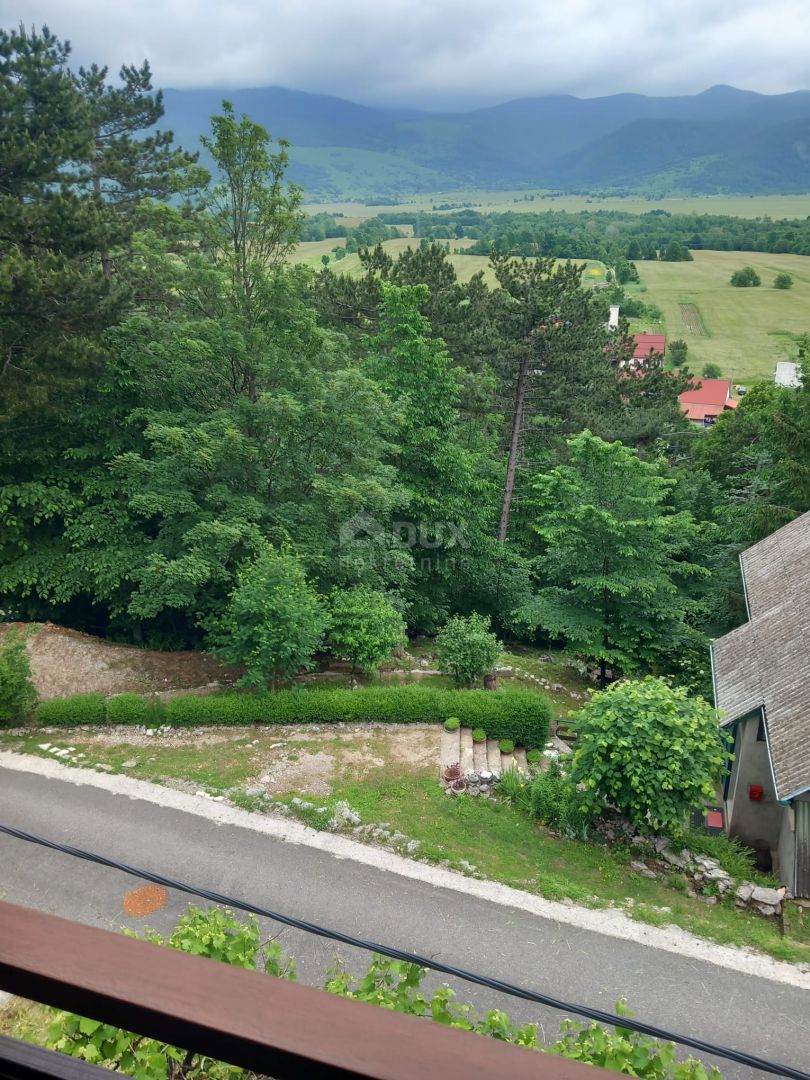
{"x": 467, "y": 759}
{"x": 508, "y": 761}
{"x": 451, "y": 748}
{"x": 493, "y": 756}
{"x": 520, "y": 757}
{"x": 480, "y": 756}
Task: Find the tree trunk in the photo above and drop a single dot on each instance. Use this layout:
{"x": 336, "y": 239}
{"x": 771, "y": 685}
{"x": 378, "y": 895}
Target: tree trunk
{"x": 514, "y": 447}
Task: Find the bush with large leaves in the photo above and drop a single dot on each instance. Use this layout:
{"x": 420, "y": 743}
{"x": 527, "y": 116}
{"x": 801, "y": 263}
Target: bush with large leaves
{"x": 650, "y": 751}
{"x": 274, "y": 620}
{"x": 364, "y": 628}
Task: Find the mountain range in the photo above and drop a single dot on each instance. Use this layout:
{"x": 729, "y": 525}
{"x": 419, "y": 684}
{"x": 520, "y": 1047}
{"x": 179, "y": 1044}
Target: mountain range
{"x": 723, "y": 140}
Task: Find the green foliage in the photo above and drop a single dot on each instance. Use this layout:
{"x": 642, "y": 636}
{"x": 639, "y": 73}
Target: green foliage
{"x": 364, "y": 627}
{"x": 650, "y": 751}
{"x": 127, "y": 709}
{"x": 71, "y": 711}
{"x": 677, "y": 353}
{"x": 17, "y": 694}
{"x": 712, "y": 371}
{"x": 626, "y": 1051}
{"x": 746, "y": 278}
{"x": 391, "y": 984}
{"x": 479, "y": 735}
{"x": 612, "y": 556}
{"x": 521, "y": 715}
{"x": 467, "y": 649}
{"x": 513, "y": 785}
{"x": 736, "y": 858}
{"x": 214, "y": 934}
{"x": 506, "y": 746}
{"x": 534, "y": 757}
{"x": 556, "y": 802}
{"x": 783, "y": 281}
{"x": 274, "y": 620}
{"x": 675, "y": 251}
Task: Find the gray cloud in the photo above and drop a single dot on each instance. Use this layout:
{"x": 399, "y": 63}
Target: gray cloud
{"x": 441, "y": 53}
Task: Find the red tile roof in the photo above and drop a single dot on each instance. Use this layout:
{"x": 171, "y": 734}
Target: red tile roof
{"x": 649, "y": 343}
{"x": 710, "y": 397}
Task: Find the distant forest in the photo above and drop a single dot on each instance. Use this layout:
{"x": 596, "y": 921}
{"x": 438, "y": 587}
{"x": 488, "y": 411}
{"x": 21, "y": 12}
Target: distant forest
{"x": 606, "y": 234}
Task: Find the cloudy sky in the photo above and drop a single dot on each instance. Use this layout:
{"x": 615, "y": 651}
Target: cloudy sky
{"x": 442, "y": 53}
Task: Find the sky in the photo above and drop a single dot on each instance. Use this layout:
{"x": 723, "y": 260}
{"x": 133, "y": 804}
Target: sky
{"x": 441, "y": 54}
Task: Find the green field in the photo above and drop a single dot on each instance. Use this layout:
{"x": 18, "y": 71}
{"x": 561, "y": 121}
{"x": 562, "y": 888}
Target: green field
{"x": 465, "y": 265}
{"x": 745, "y": 206}
{"x": 746, "y": 330}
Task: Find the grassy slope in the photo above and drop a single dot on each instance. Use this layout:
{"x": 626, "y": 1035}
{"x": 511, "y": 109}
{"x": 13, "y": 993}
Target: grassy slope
{"x": 749, "y": 330}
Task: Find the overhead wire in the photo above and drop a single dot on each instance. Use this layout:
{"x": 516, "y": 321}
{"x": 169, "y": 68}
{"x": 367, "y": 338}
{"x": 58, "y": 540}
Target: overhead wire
{"x": 629, "y": 1022}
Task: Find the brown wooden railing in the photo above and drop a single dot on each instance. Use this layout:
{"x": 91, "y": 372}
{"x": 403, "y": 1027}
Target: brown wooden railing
{"x": 270, "y": 1026}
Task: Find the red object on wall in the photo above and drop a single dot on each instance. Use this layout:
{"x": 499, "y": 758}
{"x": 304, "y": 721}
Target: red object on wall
{"x": 755, "y": 792}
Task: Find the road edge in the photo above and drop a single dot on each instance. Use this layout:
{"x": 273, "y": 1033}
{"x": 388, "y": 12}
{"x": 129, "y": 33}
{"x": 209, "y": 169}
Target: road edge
{"x": 608, "y": 922}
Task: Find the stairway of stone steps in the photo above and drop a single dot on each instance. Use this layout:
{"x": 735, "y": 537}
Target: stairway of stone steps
{"x": 451, "y": 748}
{"x": 480, "y": 756}
{"x": 467, "y": 756}
{"x": 493, "y": 756}
{"x": 458, "y": 748}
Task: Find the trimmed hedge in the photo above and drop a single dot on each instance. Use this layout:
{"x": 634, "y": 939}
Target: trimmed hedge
{"x": 72, "y": 711}
{"x": 520, "y": 715}
{"x": 127, "y": 709}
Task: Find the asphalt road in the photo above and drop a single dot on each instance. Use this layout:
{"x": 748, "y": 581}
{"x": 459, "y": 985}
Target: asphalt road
{"x": 764, "y": 1017}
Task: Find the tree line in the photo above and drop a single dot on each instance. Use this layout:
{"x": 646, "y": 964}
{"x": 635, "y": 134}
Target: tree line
{"x": 189, "y": 422}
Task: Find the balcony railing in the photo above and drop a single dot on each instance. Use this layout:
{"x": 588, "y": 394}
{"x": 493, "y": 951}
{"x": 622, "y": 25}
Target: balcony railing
{"x": 270, "y": 1026}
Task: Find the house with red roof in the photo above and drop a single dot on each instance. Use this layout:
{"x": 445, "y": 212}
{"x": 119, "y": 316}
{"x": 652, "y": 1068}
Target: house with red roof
{"x": 706, "y": 400}
{"x": 647, "y": 345}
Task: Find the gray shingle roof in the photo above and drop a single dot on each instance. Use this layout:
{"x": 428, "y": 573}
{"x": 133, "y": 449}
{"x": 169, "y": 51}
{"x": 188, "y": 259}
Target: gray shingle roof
{"x": 766, "y": 662}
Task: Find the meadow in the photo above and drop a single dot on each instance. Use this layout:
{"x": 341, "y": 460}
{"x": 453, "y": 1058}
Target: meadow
{"x": 744, "y": 331}
{"x": 744, "y": 206}
{"x": 311, "y": 253}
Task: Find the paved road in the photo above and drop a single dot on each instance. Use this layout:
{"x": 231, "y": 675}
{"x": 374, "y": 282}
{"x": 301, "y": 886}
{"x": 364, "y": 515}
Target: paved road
{"x": 761, "y": 1016}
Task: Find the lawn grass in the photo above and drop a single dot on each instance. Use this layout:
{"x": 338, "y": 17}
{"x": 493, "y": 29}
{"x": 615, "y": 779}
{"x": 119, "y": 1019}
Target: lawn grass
{"x": 747, "y": 330}
{"x": 507, "y": 846}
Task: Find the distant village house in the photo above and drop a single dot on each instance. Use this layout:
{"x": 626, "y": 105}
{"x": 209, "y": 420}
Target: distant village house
{"x": 708, "y": 399}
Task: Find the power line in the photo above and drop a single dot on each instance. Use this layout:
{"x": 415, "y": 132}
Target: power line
{"x": 739, "y": 1056}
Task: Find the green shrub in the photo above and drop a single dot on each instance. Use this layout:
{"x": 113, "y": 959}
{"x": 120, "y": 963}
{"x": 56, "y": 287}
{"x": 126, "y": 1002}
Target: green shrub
{"x": 734, "y": 857}
{"x": 533, "y": 757}
{"x": 650, "y": 751}
{"x": 452, "y": 723}
{"x": 513, "y": 786}
{"x": 555, "y": 801}
{"x": 17, "y": 694}
{"x": 783, "y": 281}
{"x": 712, "y": 371}
{"x": 467, "y": 649}
{"x": 479, "y": 735}
{"x": 126, "y": 709}
{"x": 72, "y": 711}
{"x": 506, "y": 746}
{"x": 364, "y": 627}
{"x": 746, "y": 278}
{"x": 520, "y": 715}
